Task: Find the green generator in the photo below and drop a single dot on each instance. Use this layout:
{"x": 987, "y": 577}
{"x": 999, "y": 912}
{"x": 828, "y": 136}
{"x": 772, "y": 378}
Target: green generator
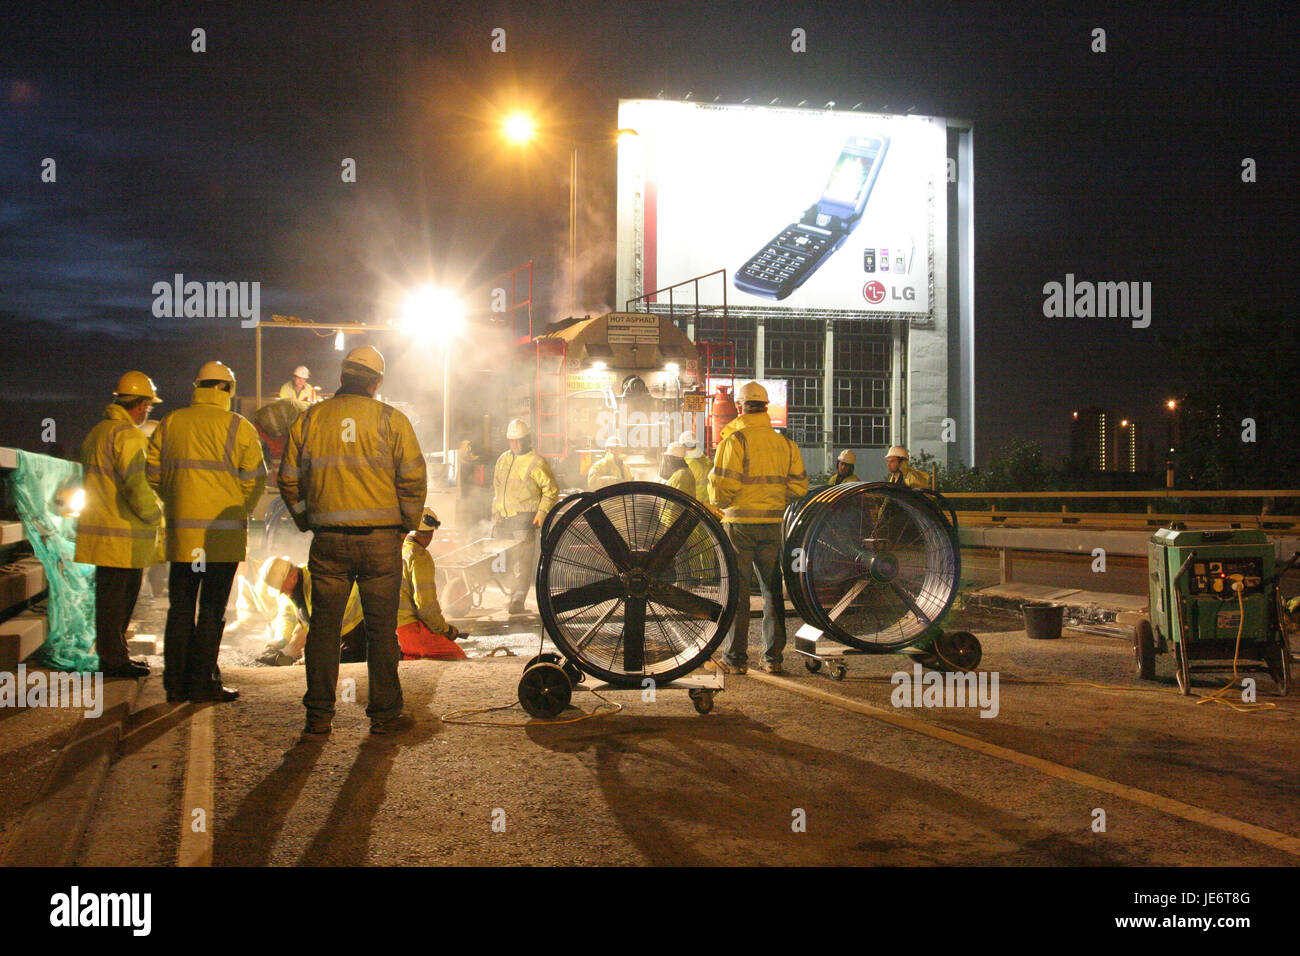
{"x": 1196, "y": 611}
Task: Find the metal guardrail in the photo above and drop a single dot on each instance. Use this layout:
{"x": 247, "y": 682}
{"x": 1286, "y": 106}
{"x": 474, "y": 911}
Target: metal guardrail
{"x": 1150, "y": 518}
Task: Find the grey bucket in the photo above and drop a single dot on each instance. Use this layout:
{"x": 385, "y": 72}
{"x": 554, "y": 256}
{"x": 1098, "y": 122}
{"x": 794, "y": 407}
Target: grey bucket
{"x": 1043, "y": 621}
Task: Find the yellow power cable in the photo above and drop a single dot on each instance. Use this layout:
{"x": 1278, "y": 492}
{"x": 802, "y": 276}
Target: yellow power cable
{"x": 1241, "y": 707}
{"x": 456, "y": 716}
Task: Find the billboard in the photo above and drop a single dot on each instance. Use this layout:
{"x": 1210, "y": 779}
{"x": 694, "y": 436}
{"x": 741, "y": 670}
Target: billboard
{"x": 805, "y": 209}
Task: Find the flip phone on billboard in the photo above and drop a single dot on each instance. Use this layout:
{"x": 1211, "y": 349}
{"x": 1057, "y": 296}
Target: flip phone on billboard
{"x": 798, "y": 251}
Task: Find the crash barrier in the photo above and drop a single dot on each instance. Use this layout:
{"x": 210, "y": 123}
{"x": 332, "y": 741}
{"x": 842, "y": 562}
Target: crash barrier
{"x": 875, "y": 567}
{"x": 40, "y": 488}
{"x": 637, "y": 586}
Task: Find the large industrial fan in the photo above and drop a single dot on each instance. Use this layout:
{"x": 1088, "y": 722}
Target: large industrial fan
{"x": 636, "y": 581}
{"x": 875, "y": 566}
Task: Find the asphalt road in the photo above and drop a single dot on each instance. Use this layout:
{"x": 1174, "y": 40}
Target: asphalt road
{"x": 769, "y": 777}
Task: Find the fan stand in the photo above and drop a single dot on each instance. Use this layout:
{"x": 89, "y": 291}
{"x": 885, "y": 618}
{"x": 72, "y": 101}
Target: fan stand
{"x": 956, "y": 651}
{"x": 549, "y": 681}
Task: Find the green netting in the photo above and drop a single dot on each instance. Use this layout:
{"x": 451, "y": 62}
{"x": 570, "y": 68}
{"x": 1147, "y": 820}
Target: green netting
{"x": 36, "y": 484}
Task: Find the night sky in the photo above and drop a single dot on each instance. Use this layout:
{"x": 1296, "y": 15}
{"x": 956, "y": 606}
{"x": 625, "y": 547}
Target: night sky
{"x": 224, "y": 165}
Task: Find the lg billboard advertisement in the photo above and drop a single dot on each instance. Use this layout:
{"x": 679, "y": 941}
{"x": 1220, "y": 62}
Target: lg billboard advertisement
{"x": 805, "y": 209}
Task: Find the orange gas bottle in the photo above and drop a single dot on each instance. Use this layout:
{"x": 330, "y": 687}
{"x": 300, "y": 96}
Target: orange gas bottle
{"x": 724, "y": 411}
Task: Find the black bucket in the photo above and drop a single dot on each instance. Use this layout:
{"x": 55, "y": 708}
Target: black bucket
{"x": 1043, "y": 621}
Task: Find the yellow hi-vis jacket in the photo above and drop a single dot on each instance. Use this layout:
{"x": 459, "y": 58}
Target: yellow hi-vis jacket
{"x": 523, "y": 484}
{"x": 206, "y": 464}
{"x": 419, "y": 598}
{"x": 700, "y": 468}
{"x": 911, "y": 477}
{"x": 118, "y": 527}
{"x": 352, "y": 461}
{"x": 756, "y": 471}
{"x": 608, "y": 467}
{"x": 305, "y": 395}
{"x": 838, "y": 479}
{"x": 683, "y": 480}
{"x": 292, "y": 622}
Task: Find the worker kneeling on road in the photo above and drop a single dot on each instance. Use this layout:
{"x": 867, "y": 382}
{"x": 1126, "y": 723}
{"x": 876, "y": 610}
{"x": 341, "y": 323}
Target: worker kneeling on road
{"x": 523, "y": 491}
{"x": 844, "y": 468}
{"x": 755, "y": 474}
{"x": 290, "y": 586}
{"x": 421, "y": 629}
{"x": 611, "y": 468}
{"x": 900, "y": 472}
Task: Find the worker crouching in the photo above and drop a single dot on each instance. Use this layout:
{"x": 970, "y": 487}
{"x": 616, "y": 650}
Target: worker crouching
{"x": 289, "y": 586}
{"x": 422, "y": 631}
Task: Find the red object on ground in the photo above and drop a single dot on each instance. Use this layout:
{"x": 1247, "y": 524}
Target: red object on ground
{"x": 418, "y": 642}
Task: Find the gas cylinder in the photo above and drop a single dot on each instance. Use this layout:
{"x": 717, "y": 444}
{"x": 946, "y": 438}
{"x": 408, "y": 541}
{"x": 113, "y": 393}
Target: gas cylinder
{"x": 724, "y": 410}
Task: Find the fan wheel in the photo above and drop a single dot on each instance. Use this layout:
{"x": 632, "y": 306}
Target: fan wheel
{"x": 874, "y": 565}
{"x": 636, "y": 580}
{"x": 544, "y": 690}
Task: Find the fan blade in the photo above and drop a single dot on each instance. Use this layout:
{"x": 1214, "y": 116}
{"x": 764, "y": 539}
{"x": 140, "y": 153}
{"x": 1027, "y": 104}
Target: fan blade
{"x": 686, "y": 602}
{"x": 911, "y": 604}
{"x": 587, "y": 595}
{"x": 615, "y": 547}
{"x": 634, "y": 635}
{"x": 849, "y": 597}
{"x": 672, "y": 541}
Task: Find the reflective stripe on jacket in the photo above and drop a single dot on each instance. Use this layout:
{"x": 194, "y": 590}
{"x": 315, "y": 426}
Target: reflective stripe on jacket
{"x": 206, "y": 464}
{"x": 353, "y": 461}
{"x": 523, "y": 484}
{"x": 118, "y": 526}
{"x": 756, "y": 471}
{"x": 608, "y": 467}
{"x": 419, "y": 598}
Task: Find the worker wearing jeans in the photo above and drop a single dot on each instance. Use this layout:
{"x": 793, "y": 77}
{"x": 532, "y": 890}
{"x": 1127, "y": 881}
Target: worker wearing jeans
{"x": 372, "y": 558}
{"x": 756, "y": 472}
{"x": 523, "y": 491}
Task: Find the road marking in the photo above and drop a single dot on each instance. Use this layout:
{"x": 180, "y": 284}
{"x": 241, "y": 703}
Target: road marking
{"x": 196, "y": 847}
{"x": 1271, "y": 838}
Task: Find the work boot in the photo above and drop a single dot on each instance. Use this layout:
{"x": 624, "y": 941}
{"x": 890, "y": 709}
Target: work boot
{"x": 317, "y": 726}
{"x": 517, "y": 607}
{"x": 130, "y": 669}
{"x": 771, "y": 667}
{"x": 393, "y": 725}
{"x": 729, "y": 668}
{"x": 222, "y": 695}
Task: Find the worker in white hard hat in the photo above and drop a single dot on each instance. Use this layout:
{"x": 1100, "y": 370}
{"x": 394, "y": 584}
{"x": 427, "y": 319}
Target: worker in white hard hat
{"x": 756, "y": 473}
{"x": 844, "y": 468}
{"x": 673, "y": 470}
{"x": 523, "y": 491}
{"x": 901, "y": 472}
{"x": 421, "y": 629}
{"x": 610, "y": 468}
{"x": 205, "y": 462}
{"x": 352, "y": 473}
{"x": 117, "y": 529}
{"x": 289, "y": 587}
{"x": 699, "y": 463}
{"x": 297, "y": 387}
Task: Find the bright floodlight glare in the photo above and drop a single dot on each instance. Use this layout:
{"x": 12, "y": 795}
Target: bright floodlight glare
{"x": 430, "y": 312}
{"x": 599, "y": 365}
{"x": 672, "y": 368}
{"x": 77, "y": 503}
{"x": 1171, "y": 404}
{"x": 519, "y": 127}
{"x": 338, "y": 341}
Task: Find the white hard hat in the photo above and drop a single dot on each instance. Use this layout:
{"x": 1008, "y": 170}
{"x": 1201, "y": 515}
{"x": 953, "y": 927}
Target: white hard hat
{"x": 753, "y": 392}
{"x": 215, "y": 371}
{"x": 848, "y": 457}
{"x": 688, "y": 439}
{"x": 302, "y": 372}
{"x": 613, "y": 441}
{"x": 518, "y": 428}
{"x": 149, "y": 427}
{"x": 275, "y": 571}
{"x": 429, "y": 521}
{"x": 677, "y": 450}
{"x": 897, "y": 451}
{"x": 366, "y": 357}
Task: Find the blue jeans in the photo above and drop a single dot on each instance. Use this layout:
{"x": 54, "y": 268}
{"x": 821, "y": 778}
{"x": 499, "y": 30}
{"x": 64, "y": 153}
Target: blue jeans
{"x": 758, "y": 550}
{"x": 372, "y": 558}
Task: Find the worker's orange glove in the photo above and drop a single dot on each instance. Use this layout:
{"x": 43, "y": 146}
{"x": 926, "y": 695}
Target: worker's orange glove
{"x": 537, "y": 520}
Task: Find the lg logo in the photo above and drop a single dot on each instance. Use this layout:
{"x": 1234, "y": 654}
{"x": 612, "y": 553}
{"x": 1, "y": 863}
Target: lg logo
{"x": 874, "y": 292}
